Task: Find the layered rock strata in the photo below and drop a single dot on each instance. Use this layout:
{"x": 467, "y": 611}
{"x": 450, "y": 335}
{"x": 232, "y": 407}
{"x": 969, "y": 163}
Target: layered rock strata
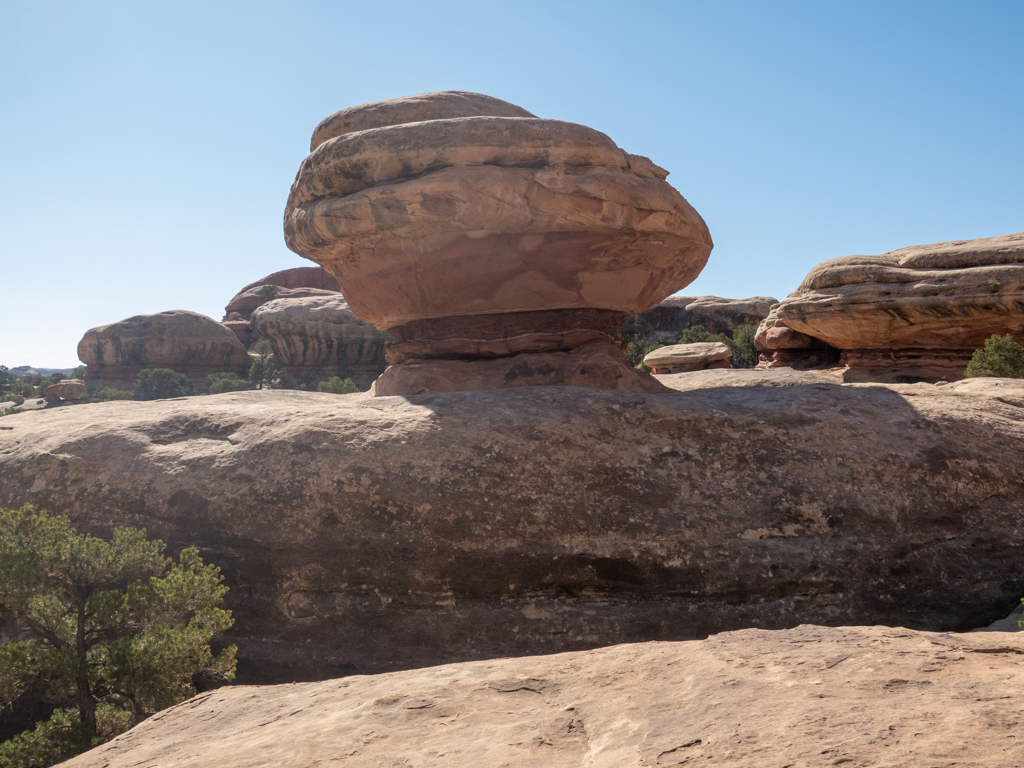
{"x": 476, "y": 232}
{"x": 183, "y": 341}
{"x": 297, "y": 283}
{"x": 524, "y": 521}
{"x": 811, "y": 696}
{"x": 683, "y": 358}
{"x": 318, "y": 337}
{"x": 65, "y": 389}
{"x": 918, "y": 312}
{"x": 664, "y": 322}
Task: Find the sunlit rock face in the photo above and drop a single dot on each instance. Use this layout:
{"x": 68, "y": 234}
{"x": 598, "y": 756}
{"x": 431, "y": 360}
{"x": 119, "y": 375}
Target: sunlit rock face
{"x": 474, "y": 231}
{"x": 295, "y": 283}
{"x": 317, "y": 337}
{"x": 917, "y": 312}
{"x": 186, "y": 342}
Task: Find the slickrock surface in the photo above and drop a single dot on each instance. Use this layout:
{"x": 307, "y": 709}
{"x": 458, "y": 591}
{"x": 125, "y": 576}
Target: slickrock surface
{"x": 297, "y": 283}
{"x": 524, "y": 521}
{"x": 459, "y": 221}
{"x": 917, "y": 311}
{"x": 810, "y": 696}
{"x": 319, "y": 337}
{"x": 682, "y": 358}
{"x": 184, "y": 341}
{"x": 664, "y": 322}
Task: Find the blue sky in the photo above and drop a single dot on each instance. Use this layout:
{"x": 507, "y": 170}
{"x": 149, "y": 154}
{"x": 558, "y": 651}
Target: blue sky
{"x": 146, "y": 149}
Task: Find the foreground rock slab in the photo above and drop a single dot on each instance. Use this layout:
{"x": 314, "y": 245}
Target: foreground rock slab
{"x": 856, "y": 696}
{"x": 546, "y": 519}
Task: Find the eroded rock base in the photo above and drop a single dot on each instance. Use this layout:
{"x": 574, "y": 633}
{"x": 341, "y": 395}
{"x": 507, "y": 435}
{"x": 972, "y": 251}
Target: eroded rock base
{"x": 596, "y": 365}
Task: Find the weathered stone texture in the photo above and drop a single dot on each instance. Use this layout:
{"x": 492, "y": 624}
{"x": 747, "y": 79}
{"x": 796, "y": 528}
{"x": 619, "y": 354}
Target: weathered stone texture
{"x": 855, "y": 696}
{"x": 681, "y": 358}
{"x": 524, "y": 521}
{"x": 186, "y": 342}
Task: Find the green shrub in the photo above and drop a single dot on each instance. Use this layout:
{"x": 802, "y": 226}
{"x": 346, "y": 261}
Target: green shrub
{"x": 269, "y": 292}
{"x": 636, "y": 351}
{"x": 263, "y": 370}
{"x": 160, "y": 383}
{"x": 109, "y": 393}
{"x": 741, "y": 343}
{"x": 78, "y": 373}
{"x": 120, "y": 631}
{"x": 1001, "y": 356}
{"x": 216, "y": 383}
{"x": 337, "y": 386}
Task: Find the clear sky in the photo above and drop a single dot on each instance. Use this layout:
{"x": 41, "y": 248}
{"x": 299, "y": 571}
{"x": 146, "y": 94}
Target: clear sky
{"x": 146, "y": 149}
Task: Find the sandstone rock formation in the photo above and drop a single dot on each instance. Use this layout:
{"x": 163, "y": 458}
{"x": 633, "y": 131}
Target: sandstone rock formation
{"x": 523, "y": 521}
{"x": 475, "y": 231}
{"x": 65, "y": 389}
{"x": 186, "y": 342}
{"x": 855, "y": 696}
{"x": 682, "y": 358}
{"x": 319, "y": 337}
{"x": 664, "y": 322}
{"x": 297, "y": 283}
{"x": 918, "y": 312}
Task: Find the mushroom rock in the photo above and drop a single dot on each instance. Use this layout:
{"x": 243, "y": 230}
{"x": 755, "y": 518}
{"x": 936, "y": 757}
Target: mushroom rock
{"x": 476, "y": 232}
{"x": 683, "y": 358}
{"x": 297, "y": 283}
{"x": 317, "y": 337}
{"x": 183, "y": 341}
{"x": 65, "y": 389}
{"x": 664, "y": 322}
{"x": 917, "y": 312}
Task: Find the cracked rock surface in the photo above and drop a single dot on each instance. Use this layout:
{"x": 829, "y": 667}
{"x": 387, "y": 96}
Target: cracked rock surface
{"x": 374, "y": 534}
{"x": 810, "y": 696}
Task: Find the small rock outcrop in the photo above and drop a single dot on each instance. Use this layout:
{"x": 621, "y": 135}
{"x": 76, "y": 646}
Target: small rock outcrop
{"x": 183, "y": 341}
{"x": 664, "y": 322}
{"x": 319, "y": 337}
{"x": 488, "y": 235}
{"x": 297, "y": 283}
{"x": 810, "y": 696}
{"x": 524, "y": 521}
{"x": 65, "y": 389}
{"x": 913, "y": 314}
{"x": 683, "y": 358}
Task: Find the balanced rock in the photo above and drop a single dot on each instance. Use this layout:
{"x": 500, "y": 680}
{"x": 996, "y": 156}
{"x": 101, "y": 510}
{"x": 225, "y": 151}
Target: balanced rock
{"x": 183, "y": 341}
{"x": 319, "y": 337}
{"x": 523, "y": 521}
{"x": 66, "y": 389}
{"x": 474, "y": 231}
{"x": 810, "y": 696}
{"x": 918, "y": 312}
{"x": 665, "y": 322}
{"x": 682, "y": 358}
{"x": 296, "y": 283}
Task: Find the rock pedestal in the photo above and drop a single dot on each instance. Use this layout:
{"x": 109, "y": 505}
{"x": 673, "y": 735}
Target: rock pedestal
{"x": 476, "y": 232}
{"x": 913, "y": 314}
{"x": 683, "y": 358}
{"x": 183, "y": 341}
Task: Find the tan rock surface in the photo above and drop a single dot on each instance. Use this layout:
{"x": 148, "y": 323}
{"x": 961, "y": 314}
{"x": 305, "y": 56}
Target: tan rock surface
{"x": 524, "y": 521}
{"x": 942, "y": 296}
{"x": 681, "y": 358}
{"x": 320, "y": 334}
{"x": 855, "y": 696}
{"x": 184, "y": 341}
{"x": 66, "y": 389}
{"x": 501, "y": 214}
{"x": 299, "y": 282}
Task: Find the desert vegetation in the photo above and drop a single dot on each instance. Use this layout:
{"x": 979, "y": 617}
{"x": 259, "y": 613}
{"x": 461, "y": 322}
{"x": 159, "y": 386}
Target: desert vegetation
{"x": 1001, "y": 356}
{"x": 115, "y": 632}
